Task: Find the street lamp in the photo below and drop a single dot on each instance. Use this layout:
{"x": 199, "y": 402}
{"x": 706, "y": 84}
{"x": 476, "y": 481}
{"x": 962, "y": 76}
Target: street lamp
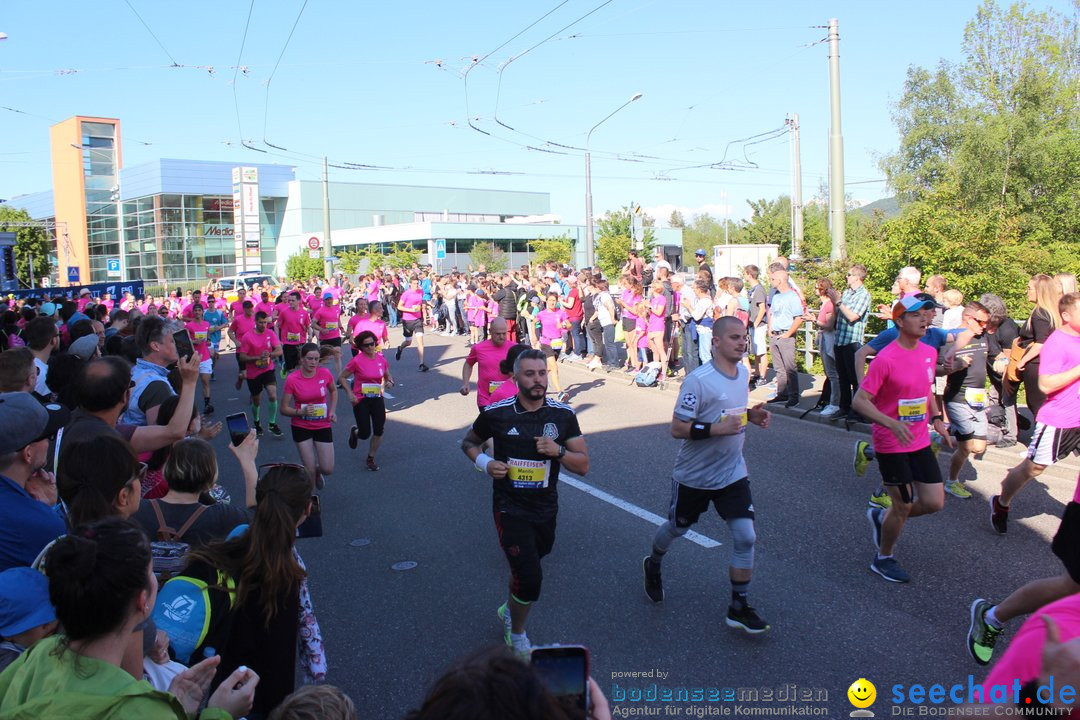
{"x": 589, "y": 249}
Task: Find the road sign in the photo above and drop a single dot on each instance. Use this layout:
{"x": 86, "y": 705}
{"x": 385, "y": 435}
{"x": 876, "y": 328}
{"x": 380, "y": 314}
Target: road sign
{"x": 313, "y": 243}
{"x": 73, "y": 273}
{"x": 314, "y": 253}
{"x": 440, "y": 249}
{"x": 113, "y": 267}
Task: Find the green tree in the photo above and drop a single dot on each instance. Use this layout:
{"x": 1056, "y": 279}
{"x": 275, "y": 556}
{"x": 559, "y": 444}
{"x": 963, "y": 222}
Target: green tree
{"x": 676, "y": 220}
{"x": 703, "y": 232}
{"x": 493, "y": 259}
{"x": 617, "y": 234}
{"x": 30, "y": 242}
{"x": 402, "y": 255}
{"x": 559, "y": 249}
{"x": 301, "y": 266}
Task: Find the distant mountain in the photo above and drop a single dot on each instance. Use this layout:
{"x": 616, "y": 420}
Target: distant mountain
{"x": 889, "y": 206}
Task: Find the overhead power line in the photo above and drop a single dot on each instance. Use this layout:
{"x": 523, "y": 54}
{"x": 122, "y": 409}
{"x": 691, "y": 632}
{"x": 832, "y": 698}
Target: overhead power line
{"x": 160, "y": 44}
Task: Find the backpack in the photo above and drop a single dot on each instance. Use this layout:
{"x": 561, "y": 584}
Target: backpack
{"x": 184, "y": 611}
{"x": 648, "y": 375}
{"x": 168, "y": 551}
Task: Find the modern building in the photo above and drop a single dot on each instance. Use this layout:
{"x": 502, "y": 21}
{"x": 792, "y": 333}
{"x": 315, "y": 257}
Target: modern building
{"x": 184, "y": 221}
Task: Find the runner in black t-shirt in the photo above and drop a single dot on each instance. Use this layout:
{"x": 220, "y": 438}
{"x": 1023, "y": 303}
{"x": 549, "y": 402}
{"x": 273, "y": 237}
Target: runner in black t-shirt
{"x": 533, "y": 437}
{"x": 966, "y": 397}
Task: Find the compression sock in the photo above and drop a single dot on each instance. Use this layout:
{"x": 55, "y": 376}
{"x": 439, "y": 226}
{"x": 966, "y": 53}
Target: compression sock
{"x": 255, "y": 413}
{"x": 273, "y": 412}
{"x": 738, "y": 594}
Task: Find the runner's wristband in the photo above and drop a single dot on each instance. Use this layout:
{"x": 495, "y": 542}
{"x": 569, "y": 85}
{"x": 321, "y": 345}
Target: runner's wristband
{"x": 700, "y": 431}
{"x": 936, "y": 418}
{"x": 482, "y": 461}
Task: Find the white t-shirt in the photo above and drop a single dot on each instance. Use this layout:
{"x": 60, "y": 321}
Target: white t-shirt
{"x": 41, "y": 388}
{"x": 602, "y": 313}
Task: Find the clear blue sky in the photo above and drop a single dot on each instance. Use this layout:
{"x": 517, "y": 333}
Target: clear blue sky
{"x": 384, "y": 84}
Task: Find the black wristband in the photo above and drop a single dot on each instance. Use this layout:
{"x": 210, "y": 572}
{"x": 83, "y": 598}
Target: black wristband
{"x": 700, "y": 431}
{"x": 562, "y": 451}
{"x": 936, "y": 418}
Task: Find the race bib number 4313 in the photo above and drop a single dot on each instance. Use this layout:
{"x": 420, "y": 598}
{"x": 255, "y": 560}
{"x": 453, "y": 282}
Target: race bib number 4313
{"x": 528, "y": 474}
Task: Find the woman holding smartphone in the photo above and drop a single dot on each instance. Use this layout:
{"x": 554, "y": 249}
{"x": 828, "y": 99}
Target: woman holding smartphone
{"x": 370, "y": 373}
{"x": 310, "y": 399}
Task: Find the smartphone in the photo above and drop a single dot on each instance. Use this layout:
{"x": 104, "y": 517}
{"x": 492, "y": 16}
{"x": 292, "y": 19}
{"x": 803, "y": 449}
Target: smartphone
{"x": 237, "y": 425}
{"x": 184, "y": 348}
{"x": 565, "y": 671}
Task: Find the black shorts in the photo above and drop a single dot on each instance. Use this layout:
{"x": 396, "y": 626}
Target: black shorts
{"x": 412, "y": 327}
{"x": 260, "y": 382}
{"x": 370, "y": 417}
{"x": 1066, "y": 544}
{"x": 905, "y": 468}
{"x": 524, "y": 543}
{"x": 628, "y": 324}
{"x": 550, "y": 351}
{"x": 291, "y": 356}
{"x": 731, "y": 502}
{"x": 332, "y": 342}
{"x": 322, "y": 435}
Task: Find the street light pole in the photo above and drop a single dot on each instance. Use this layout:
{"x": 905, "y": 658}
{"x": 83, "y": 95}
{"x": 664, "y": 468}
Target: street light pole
{"x": 590, "y": 257}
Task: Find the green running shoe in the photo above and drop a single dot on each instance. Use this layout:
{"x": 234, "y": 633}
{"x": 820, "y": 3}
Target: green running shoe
{"x": 957, "y": 489}
{"x": 982, "y": 636}
{"x": 504, "y": 618}
{"x": 880, "y": 499}
{"x": 862, "y": 457}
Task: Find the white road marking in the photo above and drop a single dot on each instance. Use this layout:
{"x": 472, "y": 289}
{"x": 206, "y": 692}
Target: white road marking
{"x": 694, "y": 537}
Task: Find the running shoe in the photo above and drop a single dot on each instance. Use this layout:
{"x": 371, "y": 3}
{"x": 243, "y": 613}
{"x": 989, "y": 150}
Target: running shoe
{"x": 397, "y": 355}
{"x": 874, "y": 515}
{"x": 522, "y": 648}
{"x": 504, "y": 619}
{"x": 889, "y": 569}
{"x": 208, "y": 409}
{"x": 371, "y": 464}
{"x": 352, "y": 438}
{"x": 283, "y": 372}
{"x": 957, "y": 489}
{"x": 982, "y": 636}
{"x": 830, "y": 411}
{"x": 275, "y": 430}
{"x": 423, "y": 367}
{"x": 862, "y": 457}
{"x": 258, "y": 430}
{"x": 746, "y": 620}
{"x": 999, "y": 516}
{"x": 880, "y": 499}
{"x": 935, "y": 442}
{"x": 1005, "y": 443}
{"x": 654, "y": 585}
{"x": 563, "y": 397}
{"x": 320, "y": 481}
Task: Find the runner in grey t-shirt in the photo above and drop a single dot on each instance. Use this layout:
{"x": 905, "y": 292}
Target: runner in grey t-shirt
{"x": 710, "y": 416}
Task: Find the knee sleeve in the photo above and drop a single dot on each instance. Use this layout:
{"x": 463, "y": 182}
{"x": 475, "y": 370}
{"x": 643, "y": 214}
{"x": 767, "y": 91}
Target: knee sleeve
{"x": 743, "y": 538}
{"x": 525, "y": 580}
{"x": 667, "y": 534}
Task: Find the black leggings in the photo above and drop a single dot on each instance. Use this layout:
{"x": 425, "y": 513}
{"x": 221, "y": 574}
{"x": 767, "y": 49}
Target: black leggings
{"x": 1030, "y": 377}
{"x": 370, "y": 416}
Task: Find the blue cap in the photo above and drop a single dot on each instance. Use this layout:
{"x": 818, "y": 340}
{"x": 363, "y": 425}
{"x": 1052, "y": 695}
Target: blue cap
{"x": 24, "y": 601}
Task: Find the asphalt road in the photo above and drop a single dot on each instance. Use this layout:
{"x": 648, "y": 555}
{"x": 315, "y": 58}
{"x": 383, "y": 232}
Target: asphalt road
{"x": 389, "y": 633}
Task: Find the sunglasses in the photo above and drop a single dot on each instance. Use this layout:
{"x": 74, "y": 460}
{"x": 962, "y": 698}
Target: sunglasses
{"x": 367, "y": 344}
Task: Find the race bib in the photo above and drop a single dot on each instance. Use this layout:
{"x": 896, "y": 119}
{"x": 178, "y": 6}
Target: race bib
{"x": 912, "y": 410}
{"x": 740, "y": 411}
{"x": 557, "y": 344}
{"x": 371, "y": 389}
{"x": 315, "y": 411}
{"x": 975, "y": 397}
{"x": 528, "y": 474}
{"x": 198, "y": 337}
{"x": 493, "y": 386}
{"x": 293, "y": 337}
{"x": 330, "y": 326}
{"x": 262, "y": 363}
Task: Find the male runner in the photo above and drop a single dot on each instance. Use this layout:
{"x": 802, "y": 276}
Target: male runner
{"x": 710, "y": 418}
{"x": 293, "y": 324}
{"x": 897, "y": 396}
{"x": 218, "y": 322}
{"x": 240, "y": 326}
{"x": 236, "y": 307}
{"x": 487, "y": 355}
{"x": 257, "y": 350}
{"x": 1057, "y": 426}
{"x": 327, "y": 324}
{"x": 411, "y": 306}
{"x": 965, "y": 397}
{"x": 534, "y": 436}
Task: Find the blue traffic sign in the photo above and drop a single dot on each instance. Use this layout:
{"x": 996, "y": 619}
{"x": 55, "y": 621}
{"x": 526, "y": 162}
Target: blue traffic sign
{"x": 112, "y": 266}
{"x": 440, "y": 249}
{"x": 73, "y": 273}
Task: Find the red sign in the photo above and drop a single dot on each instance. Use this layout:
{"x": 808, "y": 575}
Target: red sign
{"x": 313, "y": 242}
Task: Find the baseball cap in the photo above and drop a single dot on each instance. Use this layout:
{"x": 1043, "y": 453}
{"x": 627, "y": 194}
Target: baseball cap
{"x": 24, "y": 601}
{"x": 929, "y": 300}
{"x": 84, "y": 347}
{"x": 326, "y": 295}
{"x": 909, "y": 304}
{"x": 48, "y": 309}
{"x": 699, "y": 252}
{"x": 24, "y": 420}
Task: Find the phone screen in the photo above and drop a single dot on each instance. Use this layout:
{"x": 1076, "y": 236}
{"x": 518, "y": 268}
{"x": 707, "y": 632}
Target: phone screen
{"x": 184, "y": 348}
{"x": 237, "y": 426}
{"x": 565, "y": 671}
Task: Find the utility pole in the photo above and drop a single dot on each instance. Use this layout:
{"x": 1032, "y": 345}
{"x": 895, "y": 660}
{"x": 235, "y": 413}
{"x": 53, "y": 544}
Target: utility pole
{"x": 836, "y": 148}
{"x": 796, "y": 185}
{"x": 327, "y": 266}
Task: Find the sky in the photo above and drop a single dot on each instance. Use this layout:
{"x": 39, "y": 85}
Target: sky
{"x": 480, "y": 94}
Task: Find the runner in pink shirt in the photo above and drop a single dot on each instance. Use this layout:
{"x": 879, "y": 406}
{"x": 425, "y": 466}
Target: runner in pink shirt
{"x": 240, "y": 326}
{"x": 258, "y": 349}
{"x": 369, "y": 321}
{"x": 411, "y": 306}
{"x": 509, "y": 388}
{"x": 370, "y": 373}
{"x": 487, "y": 355}
{"x": 310, "y": 399}
{"x": 476, "y": 313}
{"x": 327, "y": 323}
{"x": 293, "y": 324}
{"x": 553, "y": 322}
{"x": 264, "y": 305}
{"x": 314, "y": 300}
{"x": 199, "y": 331}
{"x": 373, "y": 289}
{"x": 236, "y": 308}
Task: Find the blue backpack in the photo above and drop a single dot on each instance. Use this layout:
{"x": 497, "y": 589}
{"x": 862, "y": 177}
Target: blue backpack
{"x": 648, "y": 375}
{"x": 184, "y": 611}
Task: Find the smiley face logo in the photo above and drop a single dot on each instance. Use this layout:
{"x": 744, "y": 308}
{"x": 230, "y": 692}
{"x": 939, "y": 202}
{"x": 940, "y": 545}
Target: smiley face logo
{"x": 862, "y": 693}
